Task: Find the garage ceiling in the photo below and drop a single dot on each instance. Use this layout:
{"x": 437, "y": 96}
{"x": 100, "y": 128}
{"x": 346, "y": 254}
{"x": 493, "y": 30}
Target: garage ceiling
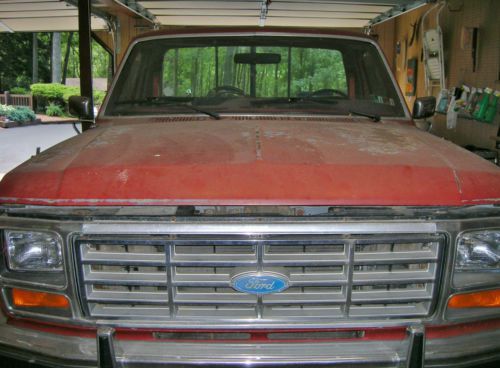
{"x": 41, "y": 16}
{"x": 58, "y": 15}
{"x": 312, "y": 13}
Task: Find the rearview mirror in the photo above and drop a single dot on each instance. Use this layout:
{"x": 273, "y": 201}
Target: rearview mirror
{"x": 424, "y": 107}
{"x": 81, "y": 107}
{"x": 260, "y": 58}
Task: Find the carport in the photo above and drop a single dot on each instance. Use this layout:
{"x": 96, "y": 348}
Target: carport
{"x": 399, "y": 26}
{"x": 114, "y": 23}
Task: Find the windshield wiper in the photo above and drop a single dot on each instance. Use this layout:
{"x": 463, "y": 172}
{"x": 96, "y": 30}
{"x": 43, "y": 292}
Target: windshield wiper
{"x": 173, "y": 103}
{"x": 212, "y": 114}
{"x": 372, "y": 117}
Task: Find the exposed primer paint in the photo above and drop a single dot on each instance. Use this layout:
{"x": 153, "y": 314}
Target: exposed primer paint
{"x": 452, "y": 167}
{"x": 456, "y": 177}
{"x": 457, "y": 180}
{"x": 377, "y": 140}
{"x": 481, "y": 200}
{"x": 123, "y": 176}
{"x": 275, "y": 133}
{"x": 258, "y": 144}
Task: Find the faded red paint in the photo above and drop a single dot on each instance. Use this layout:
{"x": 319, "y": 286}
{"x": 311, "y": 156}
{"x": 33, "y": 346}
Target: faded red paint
{"x": 253, "y": 162}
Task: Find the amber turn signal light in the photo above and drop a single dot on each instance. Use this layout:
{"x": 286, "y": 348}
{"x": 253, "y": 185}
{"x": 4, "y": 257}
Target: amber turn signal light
{"x": 480, "y": 299}
{"x": 27, "y": 298}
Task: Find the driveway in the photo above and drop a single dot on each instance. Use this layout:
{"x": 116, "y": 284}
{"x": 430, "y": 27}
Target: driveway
{"x": 19, "y": 144}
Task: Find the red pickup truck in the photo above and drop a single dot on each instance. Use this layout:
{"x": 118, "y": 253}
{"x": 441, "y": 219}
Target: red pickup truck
{"x": 252, "y": 197}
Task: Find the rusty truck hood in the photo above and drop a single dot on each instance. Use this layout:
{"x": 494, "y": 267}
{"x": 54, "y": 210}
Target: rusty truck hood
{"x": 238, "y": 161}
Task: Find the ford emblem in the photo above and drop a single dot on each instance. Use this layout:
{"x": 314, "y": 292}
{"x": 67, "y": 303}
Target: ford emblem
{"x": 260, "y": 282}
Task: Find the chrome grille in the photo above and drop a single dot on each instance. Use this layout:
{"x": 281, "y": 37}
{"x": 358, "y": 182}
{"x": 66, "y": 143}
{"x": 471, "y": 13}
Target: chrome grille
{"x": 174, "y": 277}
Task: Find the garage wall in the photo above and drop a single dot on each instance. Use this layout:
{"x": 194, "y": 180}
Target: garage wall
{"x": 483, "y": 14}
{"x": 456, "y": 16}
{"x": 395, "y": 37}
{"x": 386, "y": 37}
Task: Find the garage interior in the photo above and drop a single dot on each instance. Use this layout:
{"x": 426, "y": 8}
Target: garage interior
{"x": 468, "y": 54}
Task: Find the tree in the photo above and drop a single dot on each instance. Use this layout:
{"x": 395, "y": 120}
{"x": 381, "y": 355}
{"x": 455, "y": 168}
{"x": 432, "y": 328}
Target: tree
{"x": 56, "y": 57}
{"x": 66, "y": 58}
{"x": 16, "y": 59}
{"x": 34, "y": 74}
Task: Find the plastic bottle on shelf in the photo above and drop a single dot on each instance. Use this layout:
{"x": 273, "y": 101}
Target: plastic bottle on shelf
{"x": 452, "y": 113}
{"x": 472, "y": 101}
{"x": 482, "y": 106}
{"x": 442, "y": 104}
{"x": 464, "y": 97}
{"x": 491, "y": 111}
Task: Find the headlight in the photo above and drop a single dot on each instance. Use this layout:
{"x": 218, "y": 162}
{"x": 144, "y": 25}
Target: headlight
{"x": 477, "y": 260}
{"x": 33, "y": 251}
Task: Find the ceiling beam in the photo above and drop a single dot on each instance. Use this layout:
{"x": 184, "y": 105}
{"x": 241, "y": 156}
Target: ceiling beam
{"x": 304, "y": 6}
{"x": 274, "y": 13}
{"x": 253, "y": 21}
{"x": 399, "y": 9}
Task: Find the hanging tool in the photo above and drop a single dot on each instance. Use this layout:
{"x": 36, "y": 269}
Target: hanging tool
{"x": 475, "y": 36}
{"x": 433, "y": 52}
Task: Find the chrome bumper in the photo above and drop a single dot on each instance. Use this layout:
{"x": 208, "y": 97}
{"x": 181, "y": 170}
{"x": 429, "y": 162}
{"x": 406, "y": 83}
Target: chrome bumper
{"x": 69, "y": 351}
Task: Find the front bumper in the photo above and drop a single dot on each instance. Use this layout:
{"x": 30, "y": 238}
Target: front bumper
{"x": 71, "y": 351}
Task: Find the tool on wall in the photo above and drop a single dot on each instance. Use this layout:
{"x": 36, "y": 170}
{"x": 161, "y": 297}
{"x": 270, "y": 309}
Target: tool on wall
{"x": 475, "y": 37}
{"x": 469, "y": 42}
{"x": 433, "y": 54}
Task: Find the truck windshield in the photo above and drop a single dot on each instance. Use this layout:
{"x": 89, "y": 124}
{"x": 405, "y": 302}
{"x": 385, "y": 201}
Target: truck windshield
{"x": 254, "y": 75}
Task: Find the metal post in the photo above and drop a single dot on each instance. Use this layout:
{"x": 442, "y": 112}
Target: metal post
{"x": 106, "y": 357}
{"x": 56, "y": 57}
{"x": 35, "y": 58}
{"x": 416, "y": 348}
{"x": 85, "y": 56}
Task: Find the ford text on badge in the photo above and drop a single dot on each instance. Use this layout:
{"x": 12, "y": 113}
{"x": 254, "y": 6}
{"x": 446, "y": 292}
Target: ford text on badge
{"x": 260, "y": 282}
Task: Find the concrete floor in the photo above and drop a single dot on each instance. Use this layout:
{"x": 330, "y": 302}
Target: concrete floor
{"x": 20, "y": 143}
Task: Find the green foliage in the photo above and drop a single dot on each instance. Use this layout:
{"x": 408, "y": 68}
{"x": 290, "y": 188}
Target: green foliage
{"x": 6, "y": 109}
{"x": 192, "y": 71}
{"x": 100, "y": 57}
{"x": 47, "y": 93}
{"x": 16, "y": 51}
{"x": 99, "y": 97}
{"x": 50, "y": 91}
{"x": 16, "y": 58}
{"x": 19, "y": 114}
{"x": 19, "y": 91}
{"x": 70, "y": 91}
{"x": 54, "y": 110}
{"x": 58, "y": 94}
